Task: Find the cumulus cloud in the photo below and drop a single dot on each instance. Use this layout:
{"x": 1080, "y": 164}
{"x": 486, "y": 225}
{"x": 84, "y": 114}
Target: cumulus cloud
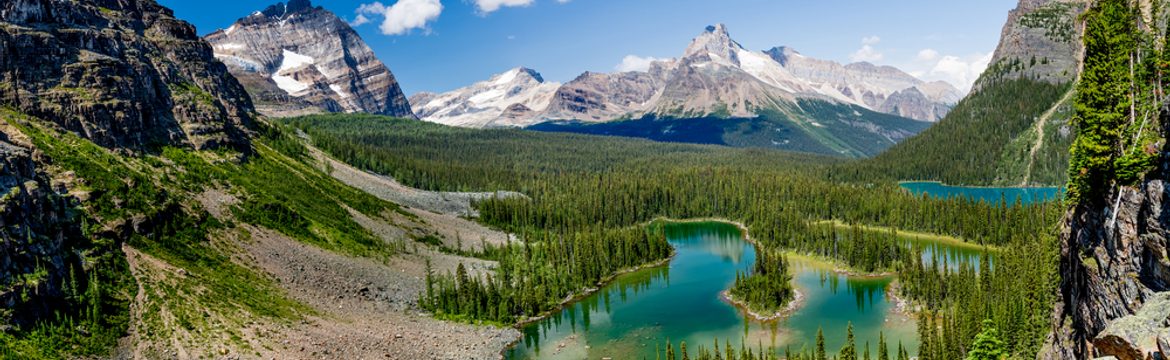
{"x": 403, "y": 16}
{"x": 488, "y": 6}
{"x": 960, "y": 71}
{"x": 927, "y": 54}
{"x": 867, "y": 52}
{"x": 359, "y": 20}
{"x": 635, "y": 63}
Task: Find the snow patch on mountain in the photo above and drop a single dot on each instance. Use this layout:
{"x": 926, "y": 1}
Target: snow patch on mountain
{"x": 502, "y": 101}
{"x": 283, "y": 78}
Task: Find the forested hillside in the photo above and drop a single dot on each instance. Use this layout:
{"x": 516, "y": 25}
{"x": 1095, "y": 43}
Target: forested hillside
{"x": 578, "y": 189}
{"x": 988, "y": 138}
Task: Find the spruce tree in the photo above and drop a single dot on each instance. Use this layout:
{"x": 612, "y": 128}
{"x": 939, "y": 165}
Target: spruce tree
{"x": 987, "y": 344}
{"x": 821, "y": 345}
{"x": 849, "y": 350}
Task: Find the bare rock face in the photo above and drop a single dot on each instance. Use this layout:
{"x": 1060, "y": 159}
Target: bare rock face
{"x": 1137, "y": 337}
{"x": 1041, "y": 40}
{"x": 297, "y": 58}
{"x": 912, "y": 103}
{"x": 36, "y": 234}
{"x": 602, "y": 97}
{"x": 122, "y": 73}
{"x": 885, "y": 89}
{"x": 1113, "y": 262}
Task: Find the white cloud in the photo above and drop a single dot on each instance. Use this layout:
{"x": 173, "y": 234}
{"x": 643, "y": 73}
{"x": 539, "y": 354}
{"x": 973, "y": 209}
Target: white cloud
{"x": 403, "y": 15}
{"x": 867, "y": 52}
{"x": 359, "y": 20}
{"x": 488, "y": 6}
{"x": 635, "y": 63}
{"x": 960, "y": 71}
{"x": 927, "y": 54}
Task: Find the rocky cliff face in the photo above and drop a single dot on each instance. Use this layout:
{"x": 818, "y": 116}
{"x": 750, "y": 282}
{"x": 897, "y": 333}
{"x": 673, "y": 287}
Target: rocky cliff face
{"x": 1041, "y": 40}
{"x": 601, "y": 97}
{"x": 298, "y": 58}
{"x": 37, "y": 234}
{"x": 1114, "y": 259}
{"x": 123, "y": 73}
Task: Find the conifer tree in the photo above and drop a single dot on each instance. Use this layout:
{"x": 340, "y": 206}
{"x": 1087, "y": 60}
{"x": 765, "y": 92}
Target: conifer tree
{"x": 987, "y": 344}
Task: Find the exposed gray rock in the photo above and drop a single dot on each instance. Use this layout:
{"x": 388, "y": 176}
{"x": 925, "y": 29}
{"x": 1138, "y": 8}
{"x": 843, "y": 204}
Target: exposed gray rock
{"x": 1138, "y": 336}
{"x": 1041, "y": 40}
{"x": 36, "y": 235}
{"x": 1110, "y": 268}
{"x": 297, "y": 58}
{"x": 123, "y": 73}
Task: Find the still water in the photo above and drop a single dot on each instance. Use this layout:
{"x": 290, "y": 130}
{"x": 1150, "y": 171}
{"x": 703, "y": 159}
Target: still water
{"x": 994, "y": 195}
{"x": 633, "y": 316}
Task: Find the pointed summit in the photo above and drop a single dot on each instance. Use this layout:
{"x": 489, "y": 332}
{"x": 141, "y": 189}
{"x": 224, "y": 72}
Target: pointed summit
{"x": 714, "y": 44}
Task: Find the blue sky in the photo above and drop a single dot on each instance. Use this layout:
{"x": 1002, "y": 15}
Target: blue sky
{"x": 440, "y": 45}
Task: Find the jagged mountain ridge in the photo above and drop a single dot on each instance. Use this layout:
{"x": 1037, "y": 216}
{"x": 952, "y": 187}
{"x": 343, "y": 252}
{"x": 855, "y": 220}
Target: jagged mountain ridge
{"x": 505, "y": 100}
{"x": 297, "y": 58}
{"x": 718, "y": 77}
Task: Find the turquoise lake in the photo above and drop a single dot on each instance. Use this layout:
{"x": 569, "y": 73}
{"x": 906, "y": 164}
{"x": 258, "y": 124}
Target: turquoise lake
{"x": 1025, "y": 195}
{"x": 637, "y": 312}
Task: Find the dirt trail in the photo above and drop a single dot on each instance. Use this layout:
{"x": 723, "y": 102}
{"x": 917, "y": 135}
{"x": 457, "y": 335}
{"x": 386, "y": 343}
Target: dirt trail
{"x": 1040, "y": 123}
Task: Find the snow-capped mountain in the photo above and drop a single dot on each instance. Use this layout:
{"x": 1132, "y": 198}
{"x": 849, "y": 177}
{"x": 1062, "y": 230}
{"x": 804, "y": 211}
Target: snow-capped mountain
{"x": 297, "y": 58}
{"x": 715, "y": 76}
{"x": 510, "y": 99}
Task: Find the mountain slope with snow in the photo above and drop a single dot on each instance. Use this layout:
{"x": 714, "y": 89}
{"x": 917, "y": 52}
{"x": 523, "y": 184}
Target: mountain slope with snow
{"x": 505, "y": 100}
{"x": 778, "y": 98}
{"x": 296, "y": 58}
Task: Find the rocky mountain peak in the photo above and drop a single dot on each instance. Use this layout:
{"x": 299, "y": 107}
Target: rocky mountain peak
{"x": 714, "y": 44}
{"x": 519, "y": 75}
{"x": 280, "y": 10}
{"x": 783, "y": 54}
{"x": 1040, "y": 40}
{"x": 295, "y": 58}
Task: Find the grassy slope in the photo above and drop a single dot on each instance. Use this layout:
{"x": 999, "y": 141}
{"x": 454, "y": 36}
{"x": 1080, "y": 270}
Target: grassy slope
{"x": 217, "y": 296}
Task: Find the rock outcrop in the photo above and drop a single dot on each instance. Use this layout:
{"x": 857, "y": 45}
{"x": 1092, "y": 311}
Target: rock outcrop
{"x": 296, "y": 58}
{"x": 1114, "y": 259}
{"x": 1041, "y": 40}
{"x": 123, "y": 73}
{"x": 37, "y": 236}
{"x": 1141, "y": 335}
